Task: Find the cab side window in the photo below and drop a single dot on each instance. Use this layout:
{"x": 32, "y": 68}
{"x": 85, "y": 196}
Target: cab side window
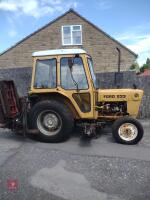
{"x": 77, "y": 72}
{"x": 45, "y": 74}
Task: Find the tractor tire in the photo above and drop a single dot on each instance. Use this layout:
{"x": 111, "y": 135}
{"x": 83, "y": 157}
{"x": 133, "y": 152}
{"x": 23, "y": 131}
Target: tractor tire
{"x": 53, "y": 120}
{"x": 127, "y": 130}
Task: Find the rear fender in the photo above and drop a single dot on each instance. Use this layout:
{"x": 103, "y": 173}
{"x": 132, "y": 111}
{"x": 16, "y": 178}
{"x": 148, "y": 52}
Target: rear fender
{"x": 34, "y": 98}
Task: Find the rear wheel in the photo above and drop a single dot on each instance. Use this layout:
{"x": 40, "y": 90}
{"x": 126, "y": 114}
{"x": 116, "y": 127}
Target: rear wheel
{"x": 53, "y": 120}
{"x": 127, "y": 130}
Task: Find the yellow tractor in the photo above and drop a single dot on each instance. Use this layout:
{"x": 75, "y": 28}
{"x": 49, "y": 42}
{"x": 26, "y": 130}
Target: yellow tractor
{"x": 63, "y": 94}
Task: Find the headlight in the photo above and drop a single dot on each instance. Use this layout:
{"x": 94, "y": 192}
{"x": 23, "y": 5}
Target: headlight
{"x": 136, "y": 96}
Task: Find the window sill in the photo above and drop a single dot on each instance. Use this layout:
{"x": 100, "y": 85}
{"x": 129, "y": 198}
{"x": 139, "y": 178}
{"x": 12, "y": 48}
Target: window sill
{"x": 72, "y": 44}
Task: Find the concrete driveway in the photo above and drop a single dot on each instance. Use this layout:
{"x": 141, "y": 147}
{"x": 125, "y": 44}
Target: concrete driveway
{"x": 97, "y": 169}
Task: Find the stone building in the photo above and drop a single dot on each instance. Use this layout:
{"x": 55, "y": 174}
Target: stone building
{"x": 70, "y": 30}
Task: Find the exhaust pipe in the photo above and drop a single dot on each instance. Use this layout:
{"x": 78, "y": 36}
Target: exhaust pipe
{"x": 119, "y": 59}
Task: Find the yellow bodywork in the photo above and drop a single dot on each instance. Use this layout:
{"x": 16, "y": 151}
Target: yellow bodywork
{"x": 133, "y": 97}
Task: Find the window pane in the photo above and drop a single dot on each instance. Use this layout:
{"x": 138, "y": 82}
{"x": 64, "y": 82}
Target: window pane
{"x": 78, "y": 74}
{"x": 76, "y": 28}
{"x": 67, "y": 35}
{"x": 76, "y": 37}
{"x": 66, "y": 30}
{"x": 67, "y": 40}
{"x": 45, "y": 75}
{"x": 72, "y": 35}
{"x": 90, "y": 63}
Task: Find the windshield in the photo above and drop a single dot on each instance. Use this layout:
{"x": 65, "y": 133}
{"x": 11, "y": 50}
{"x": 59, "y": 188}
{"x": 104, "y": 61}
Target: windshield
{"x": 77, "y": 72}
{"x": 90, "y": 63}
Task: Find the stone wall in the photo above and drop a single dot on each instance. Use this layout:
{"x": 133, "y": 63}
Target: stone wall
{"x": 100, "y": 46}
{"x": 22, "y": 79}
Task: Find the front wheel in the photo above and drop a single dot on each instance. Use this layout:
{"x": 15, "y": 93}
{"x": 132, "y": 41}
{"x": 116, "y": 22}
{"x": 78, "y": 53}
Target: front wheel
{"x": 53, "y": 120}
{"x": 127, "y": 130}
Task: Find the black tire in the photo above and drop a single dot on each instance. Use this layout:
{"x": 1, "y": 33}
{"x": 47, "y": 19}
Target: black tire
{"x": 60, "y": 115}
{"x": 131, "y": 126}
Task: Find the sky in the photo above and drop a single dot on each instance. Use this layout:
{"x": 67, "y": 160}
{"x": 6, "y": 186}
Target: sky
{"x": 128, "y": 21}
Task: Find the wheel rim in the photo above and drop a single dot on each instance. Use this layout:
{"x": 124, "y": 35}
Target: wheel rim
{"x": 49, "y": 122}
{"x": 128, "y": 131}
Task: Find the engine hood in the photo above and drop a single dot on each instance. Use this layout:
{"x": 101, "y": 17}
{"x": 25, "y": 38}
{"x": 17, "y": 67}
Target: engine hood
{"x": 105, "y": 95}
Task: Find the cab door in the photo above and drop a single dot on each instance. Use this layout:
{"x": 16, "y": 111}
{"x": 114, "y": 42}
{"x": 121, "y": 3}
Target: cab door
{"x": 76, "y": 84}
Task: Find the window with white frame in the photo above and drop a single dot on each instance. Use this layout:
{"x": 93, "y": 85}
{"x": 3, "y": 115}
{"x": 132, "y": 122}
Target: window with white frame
{"x": 72, "y": 35}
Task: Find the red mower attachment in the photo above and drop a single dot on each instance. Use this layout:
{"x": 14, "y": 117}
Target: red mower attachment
{"x": 10, "y": 106}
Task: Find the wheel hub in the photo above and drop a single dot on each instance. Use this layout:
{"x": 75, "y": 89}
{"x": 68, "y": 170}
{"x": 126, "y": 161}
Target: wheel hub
{"x": 128, "y": 131}
{"x": 49, "y": 123}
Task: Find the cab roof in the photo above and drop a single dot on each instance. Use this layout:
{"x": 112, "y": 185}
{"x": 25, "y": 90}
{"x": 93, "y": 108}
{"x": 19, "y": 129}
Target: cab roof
{"x": 58, "y": 52}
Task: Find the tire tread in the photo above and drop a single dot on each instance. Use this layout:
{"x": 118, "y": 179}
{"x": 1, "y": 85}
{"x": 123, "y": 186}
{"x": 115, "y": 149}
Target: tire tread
{"x": 63, "y": 110}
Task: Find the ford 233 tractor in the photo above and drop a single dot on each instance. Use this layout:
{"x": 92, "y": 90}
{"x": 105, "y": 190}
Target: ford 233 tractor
{"x": 64, "y": 94}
